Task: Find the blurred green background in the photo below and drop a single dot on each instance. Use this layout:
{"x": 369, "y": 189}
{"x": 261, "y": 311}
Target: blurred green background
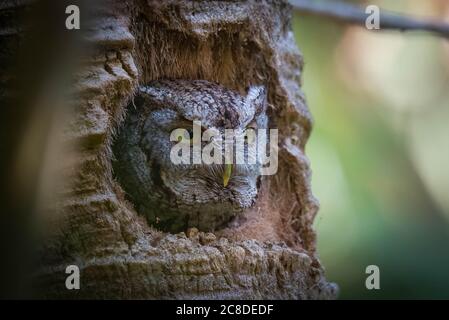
{"x": 380, "y": 152}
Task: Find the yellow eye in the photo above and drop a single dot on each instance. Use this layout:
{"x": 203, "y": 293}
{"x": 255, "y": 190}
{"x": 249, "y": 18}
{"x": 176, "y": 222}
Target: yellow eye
{"x": 250, "y": 137}
{"x": 187, "y": 137}
{"x": 250, "y": 132}
{"x": 183, "y": 139}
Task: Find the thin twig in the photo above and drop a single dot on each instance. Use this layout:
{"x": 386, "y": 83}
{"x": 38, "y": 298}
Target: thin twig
{"x": 348, "y": 13}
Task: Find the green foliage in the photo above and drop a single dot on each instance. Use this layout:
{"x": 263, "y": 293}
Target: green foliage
{"x": 375, "y": 207}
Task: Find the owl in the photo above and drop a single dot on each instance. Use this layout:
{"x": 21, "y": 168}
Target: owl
{"x": 178, "y": 196}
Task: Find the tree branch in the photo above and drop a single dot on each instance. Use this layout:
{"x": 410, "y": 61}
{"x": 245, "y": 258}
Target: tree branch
{"x": 348, "y": 13}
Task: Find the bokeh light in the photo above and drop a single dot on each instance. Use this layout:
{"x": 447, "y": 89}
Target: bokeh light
{"x": 380, "y": 152}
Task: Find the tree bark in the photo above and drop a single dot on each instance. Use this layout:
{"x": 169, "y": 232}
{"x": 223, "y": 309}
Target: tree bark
{"x": 272, "y": 254}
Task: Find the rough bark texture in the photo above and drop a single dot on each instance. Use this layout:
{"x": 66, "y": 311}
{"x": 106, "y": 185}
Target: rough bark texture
{"x": 272, "y": 254}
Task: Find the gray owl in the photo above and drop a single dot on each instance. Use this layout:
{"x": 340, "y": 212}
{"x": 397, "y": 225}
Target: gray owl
{"x": 174, "y": 197}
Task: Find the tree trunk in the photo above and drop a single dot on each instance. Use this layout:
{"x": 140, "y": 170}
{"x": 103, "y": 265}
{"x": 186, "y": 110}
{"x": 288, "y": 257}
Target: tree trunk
{"x": 272, "y": 254}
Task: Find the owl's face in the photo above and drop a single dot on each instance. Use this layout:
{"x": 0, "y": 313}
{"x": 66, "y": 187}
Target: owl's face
{"x": 201, "y": 195}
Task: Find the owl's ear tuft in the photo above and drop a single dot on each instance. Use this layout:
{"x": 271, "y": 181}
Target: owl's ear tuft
{"x": 257, "y": 97}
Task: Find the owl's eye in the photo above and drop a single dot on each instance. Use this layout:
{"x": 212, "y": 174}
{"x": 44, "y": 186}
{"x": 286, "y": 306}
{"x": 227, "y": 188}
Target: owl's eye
{"x": 187, "y": 137}
{"x": 250, "y": 132}
{"x": 250, "y": 137}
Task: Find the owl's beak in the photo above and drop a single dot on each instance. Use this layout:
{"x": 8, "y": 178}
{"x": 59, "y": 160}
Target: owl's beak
{"x": 227, "y": 174}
